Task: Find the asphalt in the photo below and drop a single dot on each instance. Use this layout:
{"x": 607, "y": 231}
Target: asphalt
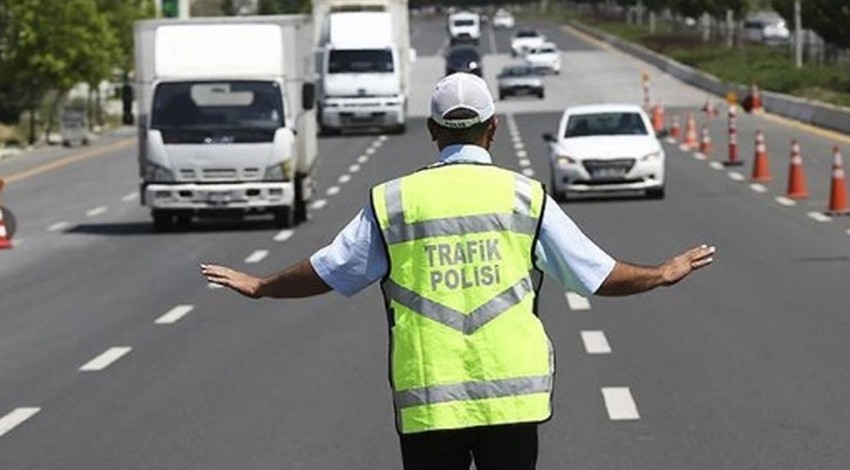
{"x": 740, "y": 366}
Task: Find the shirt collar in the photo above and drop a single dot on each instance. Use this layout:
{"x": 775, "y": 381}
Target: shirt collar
{"x": 457, "y": 153}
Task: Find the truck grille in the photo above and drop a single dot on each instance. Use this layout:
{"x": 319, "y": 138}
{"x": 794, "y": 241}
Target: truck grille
{"x": 218, "y": 174}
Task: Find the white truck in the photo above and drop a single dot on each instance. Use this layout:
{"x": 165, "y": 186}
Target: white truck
{"x": 226, "y": 122}
{"x": 365, "y": 61}
{"x": 464, "y": 27}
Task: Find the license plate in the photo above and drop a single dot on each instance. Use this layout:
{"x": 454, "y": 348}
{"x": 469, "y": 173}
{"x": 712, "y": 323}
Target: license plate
{"x": 608, "y": 173}
{"x": 219, "y": 197}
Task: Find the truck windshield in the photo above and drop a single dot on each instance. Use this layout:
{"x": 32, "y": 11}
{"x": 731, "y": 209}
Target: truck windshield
{"x": 360, "y": 61}
{"x": 218, "y": 106}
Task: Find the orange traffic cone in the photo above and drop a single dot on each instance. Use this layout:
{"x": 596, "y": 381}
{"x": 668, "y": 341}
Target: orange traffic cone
{"x": 838, "y": 191}
{"x": 755, "y": 95}
{"x": 675, "y": 130}
{"x": 691, "y": 132}
{"x": 705, "y": 141}
{"x": 761, "y": 168}
{"x": 5, "y": 237}
{"x": 658, "y": 118}
{"x": 796, "y": 175}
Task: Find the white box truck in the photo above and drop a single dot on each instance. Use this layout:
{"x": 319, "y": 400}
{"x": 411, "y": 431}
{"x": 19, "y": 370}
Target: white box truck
{"x": 365, "y": 61}
{"x": 226, "y": 121}
{"x": 464, "y": 27}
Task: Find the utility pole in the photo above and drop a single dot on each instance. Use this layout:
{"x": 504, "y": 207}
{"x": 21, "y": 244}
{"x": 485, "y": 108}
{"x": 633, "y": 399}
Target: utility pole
{"x": 798, "y": 34}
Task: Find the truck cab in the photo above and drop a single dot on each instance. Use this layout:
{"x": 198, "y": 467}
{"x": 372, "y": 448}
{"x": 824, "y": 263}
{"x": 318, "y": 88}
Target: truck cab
{"x": 464, "y": 27}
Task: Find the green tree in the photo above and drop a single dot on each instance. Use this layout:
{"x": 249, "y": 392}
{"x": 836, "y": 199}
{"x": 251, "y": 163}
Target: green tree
{"x": 277, "y": 7}
{"x": 828, "y": 18}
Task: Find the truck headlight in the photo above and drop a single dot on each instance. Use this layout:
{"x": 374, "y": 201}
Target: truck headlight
{"x": 158, "y": 174}
{"x": 279, "y": 172}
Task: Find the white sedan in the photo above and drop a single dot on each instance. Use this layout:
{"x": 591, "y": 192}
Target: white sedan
{"x": 545, "y": 58}
{"x": 525, "y": 40}
{"x": 603, "y": 148}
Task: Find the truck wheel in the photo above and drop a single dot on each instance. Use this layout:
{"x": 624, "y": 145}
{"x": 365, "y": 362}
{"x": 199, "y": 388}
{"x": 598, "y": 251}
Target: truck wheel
{"x": 284, "y": 217}
{"x": 400, "y": 129}
{"x": 301, "y": 210}
{"x": 163, "y": 221}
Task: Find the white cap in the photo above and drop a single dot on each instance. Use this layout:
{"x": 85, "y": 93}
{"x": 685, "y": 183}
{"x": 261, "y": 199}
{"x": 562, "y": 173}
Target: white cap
{"x": 461, "y": 91}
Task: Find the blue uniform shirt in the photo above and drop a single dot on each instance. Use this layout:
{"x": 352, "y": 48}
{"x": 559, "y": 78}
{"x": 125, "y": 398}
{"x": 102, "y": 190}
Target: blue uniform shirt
{"x": 356, "y": 257}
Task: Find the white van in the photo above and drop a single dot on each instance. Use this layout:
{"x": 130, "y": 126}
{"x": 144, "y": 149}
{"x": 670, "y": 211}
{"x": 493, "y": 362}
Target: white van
{"x": 464, "y": 27}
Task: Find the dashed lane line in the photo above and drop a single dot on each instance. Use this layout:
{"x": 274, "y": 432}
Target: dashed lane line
{"x": 62, "y": 162}
{"x": 174, "y": 315}
{"x": 96, "y": 211}
{"x": 284, "y": 235}
{"x": 333, "y": 190}
{"x": 577, "y": 302}
{"x": 818, "y": 217}
{"x": 620, "y": 404}
{"x": 16, "y": 418}
{"x": 759, "y": 188}
{"x": 105, "y": 359}
{"x": 212, "y": 285}
{"x": 362, "y": 159}
{"x": 782, "y": 200}
{"x": 354, "y": 168}
{"x": 734, "y": 175}
{"x": 595, "y": 342}
{"x": 58, "y": 226}
{"x": 528, "y": 172}
{"x": 257, "y": 256}
{"x": 716, "y": 165}
{"x": 318, "y": 204}
{"x": 130, "y": 197}
{"x": 344, "y": 178}
{"x": 521, "y": 153}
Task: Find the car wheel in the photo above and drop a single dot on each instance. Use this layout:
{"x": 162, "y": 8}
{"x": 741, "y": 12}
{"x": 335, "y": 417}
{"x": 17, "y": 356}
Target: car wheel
{"x": 163, "y": 221}
{"x": 501, "y": 96}
{"x": 558, "y": 196}
{"x": 540, "y": 94}
{"x": 655, "y": 193}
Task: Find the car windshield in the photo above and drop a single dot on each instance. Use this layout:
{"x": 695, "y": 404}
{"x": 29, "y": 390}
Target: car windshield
{"x": 623, "y": 123}
{"x": 547, "y": 50}
{"x": 360, "y": 61}
{"x": 527, "y": 34}
{"x": 231, "y": 105}
{"x": 464, "y": 22}
{"x": 463, "y": 55}
{"x": 518, "y": 72}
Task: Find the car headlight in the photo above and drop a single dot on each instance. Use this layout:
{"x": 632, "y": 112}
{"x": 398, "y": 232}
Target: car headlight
{"x": 473, "y": 65}
{"x": 564, "y": 160}
{"x": 651, "y": 156}
{"x": 158, "y": 174}
{"x": 279, "y": 172}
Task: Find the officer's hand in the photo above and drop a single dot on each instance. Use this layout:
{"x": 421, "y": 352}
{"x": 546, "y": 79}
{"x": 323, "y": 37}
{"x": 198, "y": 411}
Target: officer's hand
{"x": 243, "y": 283}
{"x": 679, "y": 267}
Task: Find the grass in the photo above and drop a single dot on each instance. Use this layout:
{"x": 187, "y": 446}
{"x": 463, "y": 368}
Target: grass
{"x": 770, "y": 68}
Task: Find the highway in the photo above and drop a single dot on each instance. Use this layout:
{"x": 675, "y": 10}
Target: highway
{"x": 116, "y": 354}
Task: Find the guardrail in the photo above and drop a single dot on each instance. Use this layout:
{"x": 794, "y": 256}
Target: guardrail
{"x": 820, "y": 114}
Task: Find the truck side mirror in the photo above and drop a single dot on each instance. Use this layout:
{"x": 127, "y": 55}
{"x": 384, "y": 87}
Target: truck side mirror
{"x": 308, "y": 96}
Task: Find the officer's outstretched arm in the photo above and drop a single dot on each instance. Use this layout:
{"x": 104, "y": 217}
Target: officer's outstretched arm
{"x": 627, "y": 279}
{"x": 298, "y": 280}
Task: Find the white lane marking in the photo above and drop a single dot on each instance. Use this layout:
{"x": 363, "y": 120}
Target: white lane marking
{"x": 318, "y": 204}
{"x": 716, "y": 165}
{"x": 284, "y": 235}
{"x": 58, "y": 226}
{"x": 96, "y": 211}
{"x": 105, "y": 359}
{"x": 15, "y": 418}
{"x": 257, "y": 256}
{"x": 213, "y": 285}
{"x": 736, "y": 176}
{"x": 620, "y": 404}
{"x": 524, "y": 162}
{"x": 515, "y": 137}
{"x": 785, "y": 201}
{"x": 519, "y": 146}
{"x": 528, "y": 172}
{"x": 383, "y": 138}
{"x": 670, "y": 140}
{"x": 521, "y": 153}
{"x": 684, "y": 148}
{"x": 344, "y": 179}
{"x": 577, "y": 302}
{"x": 362, "y": 159}
{"x": 370, "y": 151}
{"x": 819, "y": 217}
{"x": 333, "y": 190}
{"x": 759, "y": 188}
{"x": 174, "y": 315}
{"x": 848, "y": 232}
{"x": 354, "y": 168}
{"x": 700, "y": 156}
{"x": 130, "y": 197}
{"x": 377, "y": 144}
{"x": 595, "y": 342}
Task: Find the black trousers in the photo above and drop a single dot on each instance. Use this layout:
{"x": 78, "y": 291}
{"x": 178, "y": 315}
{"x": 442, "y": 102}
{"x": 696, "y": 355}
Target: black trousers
{"x": 507, "y": 447}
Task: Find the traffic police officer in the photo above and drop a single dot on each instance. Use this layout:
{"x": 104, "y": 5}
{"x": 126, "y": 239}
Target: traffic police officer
{"x": 460, "y": 248}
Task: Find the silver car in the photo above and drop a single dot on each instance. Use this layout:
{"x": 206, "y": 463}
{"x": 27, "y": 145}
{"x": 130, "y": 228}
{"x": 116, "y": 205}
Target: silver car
{"x": 520, "y": 79}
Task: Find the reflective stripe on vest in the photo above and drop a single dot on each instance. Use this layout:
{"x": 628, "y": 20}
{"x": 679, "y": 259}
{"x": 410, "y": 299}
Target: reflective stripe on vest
{"x": 463, "y": 268}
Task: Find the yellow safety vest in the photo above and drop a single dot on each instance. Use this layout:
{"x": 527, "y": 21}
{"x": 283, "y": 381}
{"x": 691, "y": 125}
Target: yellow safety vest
{"x": 467, "y": 348}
